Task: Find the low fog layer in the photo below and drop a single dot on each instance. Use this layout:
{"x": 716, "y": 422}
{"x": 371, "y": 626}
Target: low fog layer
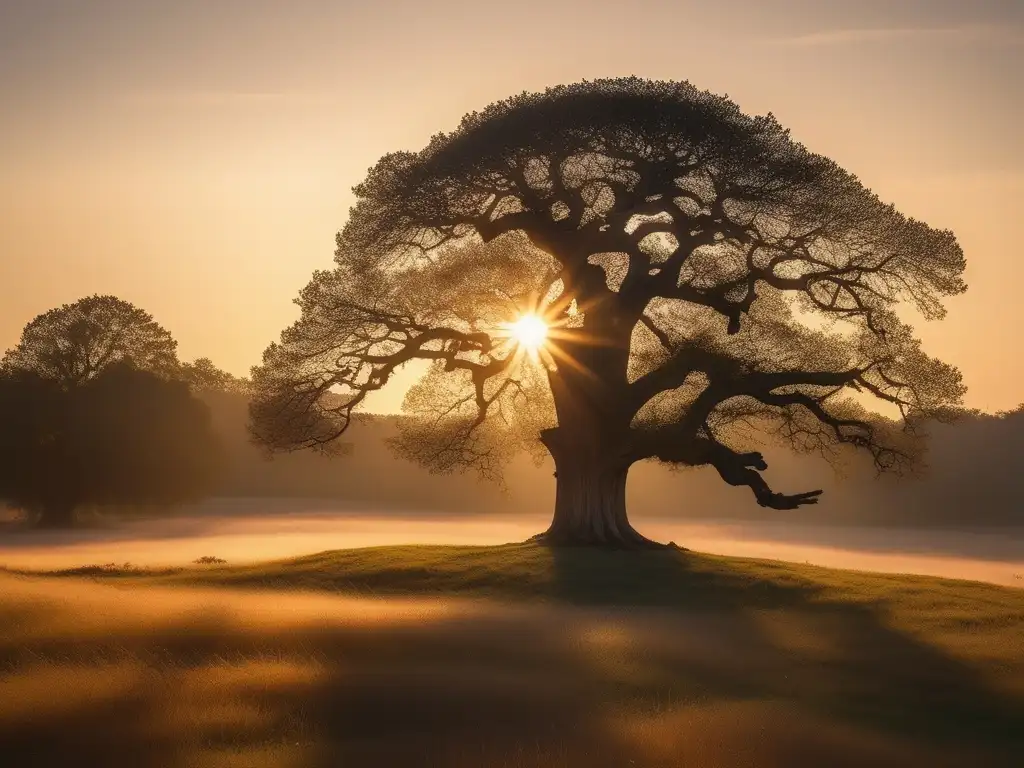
{"x": 247, "y": 530}
{"x": 973, "y": 479}
{"x": 963, "y": 519}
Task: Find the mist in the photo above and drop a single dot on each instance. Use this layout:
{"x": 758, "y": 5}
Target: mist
{"x": 970, "y": 479}
{"x": 960, "y": 519}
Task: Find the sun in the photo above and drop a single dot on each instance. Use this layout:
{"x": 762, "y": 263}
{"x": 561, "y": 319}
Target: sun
{"x": 529, "y": 331}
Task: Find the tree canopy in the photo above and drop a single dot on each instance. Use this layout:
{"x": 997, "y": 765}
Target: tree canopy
{"x": 705, "y": 278}
{"x": 73, "y": 343}
{"x": 203, "y": 376}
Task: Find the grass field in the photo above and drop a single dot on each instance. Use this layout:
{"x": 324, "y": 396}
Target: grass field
{"x": 508, "y": 656}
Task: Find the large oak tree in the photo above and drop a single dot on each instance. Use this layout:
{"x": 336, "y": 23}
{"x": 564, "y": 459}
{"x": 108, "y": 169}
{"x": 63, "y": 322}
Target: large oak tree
{"x": 706, "y": 279}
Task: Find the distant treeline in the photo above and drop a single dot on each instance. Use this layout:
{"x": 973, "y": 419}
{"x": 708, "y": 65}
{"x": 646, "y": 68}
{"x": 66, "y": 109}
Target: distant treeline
{"x": 975, "y": 476}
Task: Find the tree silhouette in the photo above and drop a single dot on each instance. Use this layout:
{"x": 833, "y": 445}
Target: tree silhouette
{"x": 705, "y": 277}
{"x": 203, "y": 376}
{"x": 75, "y": 342}
{"x": 124, "y": 436}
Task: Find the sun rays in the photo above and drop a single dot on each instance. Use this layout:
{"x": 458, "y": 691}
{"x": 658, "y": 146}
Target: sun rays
{"x": 538, "y": 334}
{"x": 529, "y": 337}
{"x": 529, "y": 331}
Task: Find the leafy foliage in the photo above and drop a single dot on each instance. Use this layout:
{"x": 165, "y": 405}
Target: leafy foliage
{"x": 75, "y": 342}
{"x": 203, "y": 376}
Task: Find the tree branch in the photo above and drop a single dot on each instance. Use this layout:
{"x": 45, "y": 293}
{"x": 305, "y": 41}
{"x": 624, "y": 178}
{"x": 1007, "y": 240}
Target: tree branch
{"x": 670, "y": 445}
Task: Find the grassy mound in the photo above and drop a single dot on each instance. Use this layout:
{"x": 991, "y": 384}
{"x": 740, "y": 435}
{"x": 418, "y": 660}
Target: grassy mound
{"x": 528, "y": 571}
{"x": 674, "y": 579}
{"x": 576, "y": 658}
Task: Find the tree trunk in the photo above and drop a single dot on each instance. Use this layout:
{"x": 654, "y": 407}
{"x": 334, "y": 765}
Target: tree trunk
{"x": 590, "y": 443}
{"x": 56, "y": 515}
{"x": 590, "y": 502}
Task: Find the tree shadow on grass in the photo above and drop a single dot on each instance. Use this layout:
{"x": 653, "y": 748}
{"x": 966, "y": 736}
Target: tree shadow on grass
{"x": 789, "y": 641}
{"x": 465, "y": 690}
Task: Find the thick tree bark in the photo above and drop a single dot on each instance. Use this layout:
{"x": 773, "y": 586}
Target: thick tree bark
{"x": 56, "y": 515}
{"x": 590, "y": 498}
{"x": 589, "y": 444}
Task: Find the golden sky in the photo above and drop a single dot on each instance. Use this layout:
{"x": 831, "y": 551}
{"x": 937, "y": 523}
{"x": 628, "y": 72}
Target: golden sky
{"x": 196, "y": 157}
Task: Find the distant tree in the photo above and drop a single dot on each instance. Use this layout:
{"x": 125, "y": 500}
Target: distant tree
{"x": 705, "y": 278}
{"x": 34, "y": 413}
{"x": 203, "y": 376}
{"x": 124, "y": 437}
{"x": 75, "y": 342}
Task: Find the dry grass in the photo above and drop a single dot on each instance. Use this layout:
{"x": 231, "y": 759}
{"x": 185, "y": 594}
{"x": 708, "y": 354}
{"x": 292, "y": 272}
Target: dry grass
{"x": 509, "y": 656}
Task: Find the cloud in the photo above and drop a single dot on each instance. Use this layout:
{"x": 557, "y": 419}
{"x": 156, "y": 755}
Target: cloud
{"x": 964, "y": 34}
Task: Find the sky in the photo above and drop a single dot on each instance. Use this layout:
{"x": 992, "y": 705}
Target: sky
{"x": 196, "y": 157}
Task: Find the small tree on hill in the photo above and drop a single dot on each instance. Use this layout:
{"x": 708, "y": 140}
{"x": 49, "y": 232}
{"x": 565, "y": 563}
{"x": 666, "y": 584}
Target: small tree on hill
{"x": 75, "y": 342}
{"x": 704, "y": 278}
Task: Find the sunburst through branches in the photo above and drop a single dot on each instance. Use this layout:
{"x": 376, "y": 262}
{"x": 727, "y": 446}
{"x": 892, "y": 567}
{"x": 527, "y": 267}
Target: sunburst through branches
{"x": 530, "y": 331}
{"x": 530, "y": 337}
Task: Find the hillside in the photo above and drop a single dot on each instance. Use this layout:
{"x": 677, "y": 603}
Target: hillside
{"x": 511, "y": 657}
